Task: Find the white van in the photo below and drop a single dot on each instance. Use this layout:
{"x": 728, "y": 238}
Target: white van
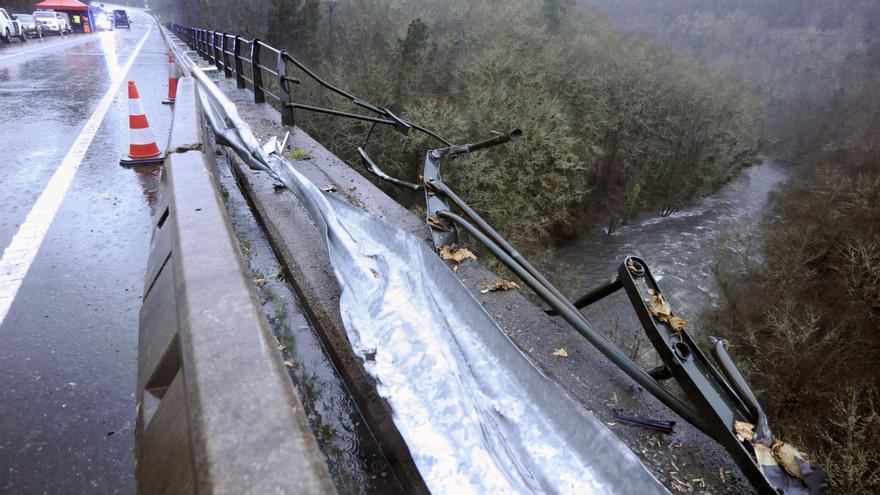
{"x": 54, "y": 22}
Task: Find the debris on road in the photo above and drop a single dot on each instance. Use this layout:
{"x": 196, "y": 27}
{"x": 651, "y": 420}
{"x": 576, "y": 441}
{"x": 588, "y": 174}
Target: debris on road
{"x": 499, "y": 285}
{"x": 455, "y": 254}
{"x": 650, "y": 423}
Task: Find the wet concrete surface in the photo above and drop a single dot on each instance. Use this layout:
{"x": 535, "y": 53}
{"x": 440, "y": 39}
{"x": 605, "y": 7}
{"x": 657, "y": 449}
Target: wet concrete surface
{"x": 68, "y": 346}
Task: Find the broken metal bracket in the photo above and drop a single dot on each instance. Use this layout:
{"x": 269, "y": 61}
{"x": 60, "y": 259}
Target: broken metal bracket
{"x": 443, "y": 231}
{"x": 708, "y": 391}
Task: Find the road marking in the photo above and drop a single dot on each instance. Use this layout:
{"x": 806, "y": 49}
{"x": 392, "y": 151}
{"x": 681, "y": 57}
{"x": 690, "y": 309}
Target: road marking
{"x": 4, "y": 57}
{"x": 18, "y": 256}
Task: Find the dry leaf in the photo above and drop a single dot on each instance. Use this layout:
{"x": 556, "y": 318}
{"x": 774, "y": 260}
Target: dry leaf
{"x": 660, "y": 308}
{"x": 451, "y": 252}
{"x": 438, "y": 223}
{"x": 631, "y": 265}
{"x": 350, "y": 189}
{"x": 561, "y": 352}
{"x": 289, "y": 364}
{"x": 787, "y": 456}
{"x": 677, "y": 323}
{"x": 281, "y": 347}
{"x": 744, "y": 431}
{"x": 500, "y": 285}
{"x": 259, "y": 282}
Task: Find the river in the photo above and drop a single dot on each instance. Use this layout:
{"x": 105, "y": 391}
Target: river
{"x": 680, "y": 249}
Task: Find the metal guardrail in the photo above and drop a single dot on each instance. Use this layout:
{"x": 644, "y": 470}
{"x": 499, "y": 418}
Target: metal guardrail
{"x": 243, "y": 59}
{"x": 217, "y": 412}
{"x": 715, "y": 403}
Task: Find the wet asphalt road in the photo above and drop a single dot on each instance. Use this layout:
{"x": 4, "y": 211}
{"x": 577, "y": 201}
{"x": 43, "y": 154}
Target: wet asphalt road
{"x": 68, "y": 344}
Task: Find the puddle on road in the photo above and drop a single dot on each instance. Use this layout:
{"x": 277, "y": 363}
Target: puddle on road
{"x": 356, "y": 463}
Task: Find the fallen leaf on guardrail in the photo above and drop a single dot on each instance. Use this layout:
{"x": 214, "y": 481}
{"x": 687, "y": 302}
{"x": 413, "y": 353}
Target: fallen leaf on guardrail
{"x": 499, "y": 285}
{"x": 631, "y": 265}
{"x": 744, "y": 431}
{"x": 457, "y": 255}
{"x": 259, "y": 282}
{"x": 787, "y": 456}
{"x": 281, "y": 347}
{"x": 660, "y": 308}
{"x": 677, "y": 324}
{"x": 289, "y": 364}
{"x": 438, "y": 223}
{"x": 561, "y": 352}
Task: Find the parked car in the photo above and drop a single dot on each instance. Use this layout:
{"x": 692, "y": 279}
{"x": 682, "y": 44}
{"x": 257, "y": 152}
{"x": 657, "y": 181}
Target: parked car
{"x": 103, "y": 21}
{"x": 10, "y": 27}
{"x": 29, "y": 25}
{"x": 54, "y": 22}
{"x": 120, "y": 19}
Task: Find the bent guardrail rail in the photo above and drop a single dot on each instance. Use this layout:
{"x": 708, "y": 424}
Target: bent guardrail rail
{"x": 217, "y": 412}
{"x": 683, "y": 359}
{"x": 477, "y": 417}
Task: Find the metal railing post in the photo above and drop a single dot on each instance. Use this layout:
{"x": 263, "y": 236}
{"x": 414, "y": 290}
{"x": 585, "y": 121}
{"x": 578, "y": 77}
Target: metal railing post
{"x": 218, "y": 57}
{"x": 239, "y": 69}
{"x": 284, "y": 90}
{"x": 209, "y": 36}
{"x": 205, "y": 52}
{"x": 257, "y": 72}
{"x": 227, "y": 70}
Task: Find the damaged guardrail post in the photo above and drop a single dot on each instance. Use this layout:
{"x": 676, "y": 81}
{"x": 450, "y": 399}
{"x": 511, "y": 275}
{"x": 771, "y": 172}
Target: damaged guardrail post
{"x": 285, "y": 94}
{"x": 239, "y": 69}
{"x": 257, "y": 72}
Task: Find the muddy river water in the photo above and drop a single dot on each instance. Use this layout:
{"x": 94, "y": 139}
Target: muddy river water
{"x": 680, "y": 249}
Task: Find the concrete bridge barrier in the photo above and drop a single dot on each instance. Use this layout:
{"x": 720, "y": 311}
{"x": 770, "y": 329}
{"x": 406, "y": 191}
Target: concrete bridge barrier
{"x": 217, "y": 412}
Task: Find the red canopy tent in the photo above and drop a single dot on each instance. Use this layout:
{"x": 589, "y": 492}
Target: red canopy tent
{"x": 62, "y": 5}
{"x": 80, "y": 16}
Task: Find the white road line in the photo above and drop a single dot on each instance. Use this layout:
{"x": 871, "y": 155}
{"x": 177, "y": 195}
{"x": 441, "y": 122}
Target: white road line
{"x": 4, "y": 57}
{"x": 18, "y": 256}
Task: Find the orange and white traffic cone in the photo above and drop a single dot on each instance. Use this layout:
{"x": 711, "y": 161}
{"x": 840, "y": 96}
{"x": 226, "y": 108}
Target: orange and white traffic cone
{"x": 143, "y": 148}
{"x": 173, "y": 76}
